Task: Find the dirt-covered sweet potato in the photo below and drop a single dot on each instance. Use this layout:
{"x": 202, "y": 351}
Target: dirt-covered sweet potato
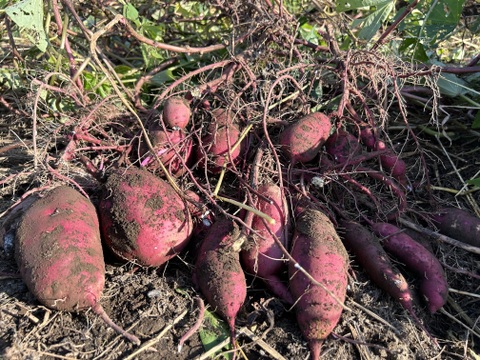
{"x": 302, "y": 140}
{"x": 433, "y": 284}
{"x": 262, "y": 255}
{"x": 170, "y": 146}
{"x": 218, "y": 148}
{"x": 317, "y": 249}
{"x": 142, "y": 218}
{"x": 218, "y": 273}
{"x": 371, "y": 256}
{"x": 458, "y": 224}
{"x": 342, "y": 145}
{"x": 59, "y": 253}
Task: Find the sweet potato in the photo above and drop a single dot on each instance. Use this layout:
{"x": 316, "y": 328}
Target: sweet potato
{"x": 317, "y": 249}
{"x": 342, "y": 145}
{"x": 220, "y": 117}
{"x": 433, "y": 284}
{"x": 170, "y": 146}
{"x": 218, "y": 273}
{"x": 262, "y": 255}
{"x": 374, "y": 260}
{"x": 218, "y": 148}
{"x": 176, "y": 113}
{"x": 302, "y": 140}
{"x": 389, "y": 160}
{"x": 142, "y": 218}
{"x": 458, "y": 224}
{"x": 59, "y": 253}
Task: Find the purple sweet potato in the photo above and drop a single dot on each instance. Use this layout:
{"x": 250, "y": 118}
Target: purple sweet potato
{"x": 262, "y": 255}
{"x": 317, "y": 249}
{"x": 218, "y": 273}
{"x": 342, "y": 146}
{"x": 302, "y": 140}
{"x": 458, "y": 224}
{"x": 142, "y": 218}
{"x": 176, "y": 113}
{"x": 59, "y": 253}
{"x": 370, "y": 255}
{"x": 433, "y": 284}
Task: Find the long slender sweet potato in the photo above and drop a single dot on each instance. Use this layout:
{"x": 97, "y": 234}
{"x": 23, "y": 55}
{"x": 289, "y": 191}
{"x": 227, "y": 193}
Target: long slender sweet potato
{"x": 263, "y": 256}
{"x": 433, "y": 284}
{"x": 142, "y": 218}
{"x": 375, "y": 261}
{"x": 458, "y": 224}
{"x": 317, "y": 249}
{"x": 218, "y": 272}
{"x": 302, "y": 140}
{"x": 59, "y": 253}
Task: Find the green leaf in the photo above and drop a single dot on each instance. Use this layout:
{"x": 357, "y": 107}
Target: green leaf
{"x": 476, "y": 121}
{"x": 213, "y": 332}
{"x": 474, "y": 182}
{"x": 417, "y": 48}
{"x": 309, "y": 33}
{"x": 28, "y": 14}
{"x": 371, "y": 23}
{"x": 347, "y": 5}
{"x": 131, "y": 13}
{"x": 443, "y": 17}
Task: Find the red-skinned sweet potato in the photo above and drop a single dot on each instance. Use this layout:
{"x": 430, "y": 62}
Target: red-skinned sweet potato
{"x": 142, "y": 218}
{"x": 375, "y": 261}
{"x": 262, "y": 255}
{"x": 389, "y": 160}
{"x": 218, "y": 273}
{"x": 433, "y": 284}
{"x": 342, "y": 145}
{"x": 218, "y": 147}
{"x": 220, "y": 117}
{"x": 302, "y": 140}
{"x": 170, "y": 146}
{"x": 458, "y": 224}
{"x": 59, "y": 253}
{"x": 176, "y": 112}
{"x": 317, "y": 249}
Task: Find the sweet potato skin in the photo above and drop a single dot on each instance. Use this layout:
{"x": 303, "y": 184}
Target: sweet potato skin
{"x": 58, "y": 251}
{"x": 218, "y": 273}
{"x": 262, "y": 256}
{"x": 171, "y": 146}
{"x": 375, "y": 261}
{"x": 176, "y": 112}
{"x": 433, "y": 284}
{"x": 458, "y": 224}
{"x": 218, "y": 146}
{"x": 142, "y": 218}
{"x": 302, "y": 140}
{"x": 318, "y": 249}
{"x": 342, "y": 146}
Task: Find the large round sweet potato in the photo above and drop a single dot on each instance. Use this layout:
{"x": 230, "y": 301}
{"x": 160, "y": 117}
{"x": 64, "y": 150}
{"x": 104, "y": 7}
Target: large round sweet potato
{"x": 142, "y": 218}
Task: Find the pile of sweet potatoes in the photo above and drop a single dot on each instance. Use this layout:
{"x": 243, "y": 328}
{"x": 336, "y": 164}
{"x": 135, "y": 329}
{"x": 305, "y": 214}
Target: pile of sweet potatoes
{"x": 287, "y": 233}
